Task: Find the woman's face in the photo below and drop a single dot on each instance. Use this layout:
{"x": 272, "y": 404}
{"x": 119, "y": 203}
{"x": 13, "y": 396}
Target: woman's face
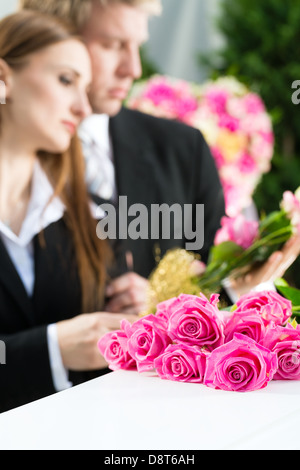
{"x": 48, "y": 96}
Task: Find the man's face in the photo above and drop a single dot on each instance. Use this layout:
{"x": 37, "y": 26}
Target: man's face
{"x": 114, "y": 35}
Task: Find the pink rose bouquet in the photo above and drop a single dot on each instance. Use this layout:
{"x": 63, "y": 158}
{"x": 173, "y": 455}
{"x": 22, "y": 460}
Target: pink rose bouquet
{"x": 233, "y": 120}
{"x": 190, "y": 339}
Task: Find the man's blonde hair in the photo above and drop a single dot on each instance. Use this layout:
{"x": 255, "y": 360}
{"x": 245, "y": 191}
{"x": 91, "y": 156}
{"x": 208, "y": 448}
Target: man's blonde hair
{"x": 78, "y": 11}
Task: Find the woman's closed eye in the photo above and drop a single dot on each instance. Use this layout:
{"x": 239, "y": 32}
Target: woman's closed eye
{"x": 66, "y": 80}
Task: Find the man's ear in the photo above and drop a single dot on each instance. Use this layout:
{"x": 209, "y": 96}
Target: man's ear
{"x": 5, "y": 78}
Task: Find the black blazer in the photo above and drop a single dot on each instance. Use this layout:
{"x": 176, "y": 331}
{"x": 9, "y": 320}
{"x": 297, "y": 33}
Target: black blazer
{"x": 161, "y": 161}
{"x": 26, "y": 376}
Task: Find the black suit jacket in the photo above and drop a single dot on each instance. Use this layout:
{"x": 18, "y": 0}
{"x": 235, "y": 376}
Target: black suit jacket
{"x": 160, "y": 161}
{"x": 26, "y": 376}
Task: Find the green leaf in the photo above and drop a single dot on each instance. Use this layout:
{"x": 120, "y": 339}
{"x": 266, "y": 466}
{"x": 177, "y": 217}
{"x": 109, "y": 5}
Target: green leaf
{"x": 290, "y": 293}
{"x": 281, "y": 283}
{"x": 225, "y": 252}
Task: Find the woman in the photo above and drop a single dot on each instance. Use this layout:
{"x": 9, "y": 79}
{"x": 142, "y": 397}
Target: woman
{"x": 52, "y": 265}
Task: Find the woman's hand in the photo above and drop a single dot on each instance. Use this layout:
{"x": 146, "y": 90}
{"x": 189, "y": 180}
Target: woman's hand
{"x": 272, "y": 269}
{"x": 78, "y": 338}
{"x": 127, "y": 294}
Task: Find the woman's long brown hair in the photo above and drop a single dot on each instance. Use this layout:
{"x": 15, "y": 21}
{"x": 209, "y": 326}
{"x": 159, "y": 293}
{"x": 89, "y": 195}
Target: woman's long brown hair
{"x": 22, "y": 34}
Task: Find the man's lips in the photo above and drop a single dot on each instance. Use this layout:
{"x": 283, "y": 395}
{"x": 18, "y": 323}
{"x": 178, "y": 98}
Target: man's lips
{"x": 119, "y": 93}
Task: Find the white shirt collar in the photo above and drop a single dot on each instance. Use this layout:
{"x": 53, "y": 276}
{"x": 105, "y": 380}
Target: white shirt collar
{"x": 96, "y": 128}
{"x": 39, "y": 214}
{"x": 98, "y": 153}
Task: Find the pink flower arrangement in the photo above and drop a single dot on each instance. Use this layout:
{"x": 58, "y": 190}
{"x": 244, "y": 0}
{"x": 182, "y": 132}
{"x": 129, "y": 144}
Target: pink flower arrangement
{"x": 233, "y": 120}
{"x": 165, "y": 97}
{"x": 190, "y": 339}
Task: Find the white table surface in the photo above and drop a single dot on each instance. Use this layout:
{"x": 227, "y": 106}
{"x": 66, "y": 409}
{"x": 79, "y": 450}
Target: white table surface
{"x": 130, "y": 411}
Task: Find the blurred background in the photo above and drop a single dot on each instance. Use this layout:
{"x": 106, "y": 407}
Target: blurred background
{"x": 258, "y": 43}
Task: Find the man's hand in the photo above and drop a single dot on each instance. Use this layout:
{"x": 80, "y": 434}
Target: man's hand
{"x": 273, "y": 268}
{"x": 127, "y": 294}
{"x": 78, "y": 338}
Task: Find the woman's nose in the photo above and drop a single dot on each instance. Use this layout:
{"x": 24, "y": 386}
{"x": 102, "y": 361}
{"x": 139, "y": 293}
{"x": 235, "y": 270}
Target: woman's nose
{"x": 81, "y": 106}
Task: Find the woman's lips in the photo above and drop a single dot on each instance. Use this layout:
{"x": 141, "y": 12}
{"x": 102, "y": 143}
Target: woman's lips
{"x": 70, "y": 126}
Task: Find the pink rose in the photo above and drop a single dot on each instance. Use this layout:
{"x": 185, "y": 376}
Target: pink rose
{"x": 197, "y": 321}
{"x": 247, "y": 164}
{"x": 253, "y": 104}
{"x": 217, "y": 100}
{"x": 241, "y": 365}
{"x": 165, "y": 309}
{"x": 285, "y": 342}
{"x": 229, "y": 122}
{"x": 159, "y": 92}
{"x": 272, "y": 307}
{"x": 246, "y": 322}
{"x": 114, "y": 348}
{"x": 147, "y": 340}
{"x": 238, "y": 230}
{"x": 185, "y": 106}
{"x": 182, "y": 363}
{"x": 291, "y": 205}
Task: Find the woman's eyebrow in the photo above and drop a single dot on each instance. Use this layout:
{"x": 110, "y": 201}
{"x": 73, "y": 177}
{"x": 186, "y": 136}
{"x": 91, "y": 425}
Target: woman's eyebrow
{"x": 67, "y": 66}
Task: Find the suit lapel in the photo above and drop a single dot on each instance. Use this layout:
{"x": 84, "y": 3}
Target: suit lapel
{"x": 135, "y": 175}
{"x": 133, "y": 161}
{"x": 13, "y": 284}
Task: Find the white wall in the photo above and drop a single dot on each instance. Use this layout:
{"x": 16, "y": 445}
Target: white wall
{"x": 185, "y": 28}
{"x": 7, "y": 7}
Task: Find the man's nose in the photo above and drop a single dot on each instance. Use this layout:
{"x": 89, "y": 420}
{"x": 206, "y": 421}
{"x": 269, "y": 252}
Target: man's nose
{"x": 131, "y": 64}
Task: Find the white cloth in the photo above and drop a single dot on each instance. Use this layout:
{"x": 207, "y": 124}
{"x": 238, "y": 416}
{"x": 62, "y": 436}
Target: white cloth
{"x": 97, "y": 150}
{"x": 233, "y": 295}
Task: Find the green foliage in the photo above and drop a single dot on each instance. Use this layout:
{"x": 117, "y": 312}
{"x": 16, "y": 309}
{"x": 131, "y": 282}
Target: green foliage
{"x": 148, "y": 66}
{"x": 262, "y": 50}
{"x": 291, "y": 294}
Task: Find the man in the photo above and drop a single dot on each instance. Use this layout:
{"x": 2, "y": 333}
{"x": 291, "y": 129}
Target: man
{"x": 148, "y": 160}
